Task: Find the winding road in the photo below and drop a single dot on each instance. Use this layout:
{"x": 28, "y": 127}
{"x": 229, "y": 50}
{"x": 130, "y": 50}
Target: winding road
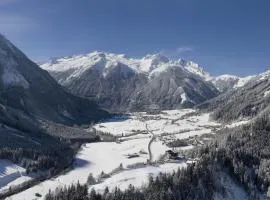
{"x": 149, "y": 144}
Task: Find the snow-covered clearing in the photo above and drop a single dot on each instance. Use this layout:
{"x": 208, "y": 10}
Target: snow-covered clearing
{"x": 11, "y": 175}
{"x": 232, "y": 190}
{"x": 142, "y": 140}
{"x": 238, "y": 123}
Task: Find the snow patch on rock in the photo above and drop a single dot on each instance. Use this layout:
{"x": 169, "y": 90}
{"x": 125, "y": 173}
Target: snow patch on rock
{"x": 266, "y": 93}
{"x": 11, "y": 77}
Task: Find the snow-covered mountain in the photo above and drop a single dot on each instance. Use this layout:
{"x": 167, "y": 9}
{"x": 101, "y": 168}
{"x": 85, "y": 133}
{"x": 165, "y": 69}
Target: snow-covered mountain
{"x": 106, "y": 62}
{"x": 121, "y": 83}
{"x": 227, "y": 82}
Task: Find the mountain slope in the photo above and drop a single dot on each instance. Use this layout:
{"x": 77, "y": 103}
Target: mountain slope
{"x": 120, "y": 83}
{"x": 31, "y": 99}
{"x": 247, "y": 101}
{"x": 27, "y": 88}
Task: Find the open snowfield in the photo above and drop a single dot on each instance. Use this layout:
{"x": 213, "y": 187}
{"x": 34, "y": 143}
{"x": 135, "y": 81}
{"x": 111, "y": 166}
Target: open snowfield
{"x": 233, "y": 190}
{"x": 134, "y": 150}
{"x": 167, "y": 122}
{"x": 123, "y": 126}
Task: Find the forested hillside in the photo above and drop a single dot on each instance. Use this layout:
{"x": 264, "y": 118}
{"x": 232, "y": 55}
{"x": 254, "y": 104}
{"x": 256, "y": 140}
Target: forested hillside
{"x": 245, "y": 151}
{"x": 196, "y": 182}
{"x": 245, "y": 102}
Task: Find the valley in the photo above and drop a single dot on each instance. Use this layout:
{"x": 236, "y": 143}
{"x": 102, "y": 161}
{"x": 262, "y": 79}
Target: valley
{"x": 102, "y": 126}
{"x": 140, "y": 149}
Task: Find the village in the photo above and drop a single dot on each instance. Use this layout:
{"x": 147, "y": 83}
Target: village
{"x": 176, "y": 133}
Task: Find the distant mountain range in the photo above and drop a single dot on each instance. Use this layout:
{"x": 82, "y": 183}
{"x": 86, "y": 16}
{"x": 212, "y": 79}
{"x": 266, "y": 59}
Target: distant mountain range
{"x": 120, "y": 83}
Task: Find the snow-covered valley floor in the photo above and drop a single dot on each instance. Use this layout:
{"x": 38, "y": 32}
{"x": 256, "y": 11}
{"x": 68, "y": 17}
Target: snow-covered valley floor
{"x": 140, "y": 150}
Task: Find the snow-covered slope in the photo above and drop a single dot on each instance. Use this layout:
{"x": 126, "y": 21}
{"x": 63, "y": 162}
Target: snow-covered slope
{"x": 117, "y": 81}
{"x": 196, "y": 69}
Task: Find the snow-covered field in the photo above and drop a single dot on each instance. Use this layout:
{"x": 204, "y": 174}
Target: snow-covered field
{"x": 136, "y": 177}
{"x": 134, "y": 150}
{"x": 166, "y": 122}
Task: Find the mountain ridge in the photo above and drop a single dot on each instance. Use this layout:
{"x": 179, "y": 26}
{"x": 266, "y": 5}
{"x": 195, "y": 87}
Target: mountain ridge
{"x": 147, "y": 65}
{"x": 132, "y": 84}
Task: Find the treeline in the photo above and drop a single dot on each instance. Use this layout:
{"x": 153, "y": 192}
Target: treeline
{"x": 196, "y": 182}
{"x": 35, "y": 151}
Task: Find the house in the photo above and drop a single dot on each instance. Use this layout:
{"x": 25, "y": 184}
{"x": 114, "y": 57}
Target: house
{"x": 135, "y": 155}
{"x": 153, "y": 109}
{"x": 171, "y": 154}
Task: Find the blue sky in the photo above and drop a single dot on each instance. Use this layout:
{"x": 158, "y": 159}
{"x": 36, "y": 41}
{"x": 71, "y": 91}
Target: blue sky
{"x": 224, "y": 36}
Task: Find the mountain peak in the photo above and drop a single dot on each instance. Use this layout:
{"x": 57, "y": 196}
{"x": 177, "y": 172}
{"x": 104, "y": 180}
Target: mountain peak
{"x": 195, "y": 68}
{"x": 128, "y": 82}
{"x": 9, "y": 65}
{"x": 152, "y": 61}
{"x": 156, "y": 58}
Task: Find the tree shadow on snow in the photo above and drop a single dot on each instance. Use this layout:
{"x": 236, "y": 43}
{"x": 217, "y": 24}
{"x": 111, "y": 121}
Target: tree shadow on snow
{"x": 80, "y": 163}
{"x": 119, "y": 118}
